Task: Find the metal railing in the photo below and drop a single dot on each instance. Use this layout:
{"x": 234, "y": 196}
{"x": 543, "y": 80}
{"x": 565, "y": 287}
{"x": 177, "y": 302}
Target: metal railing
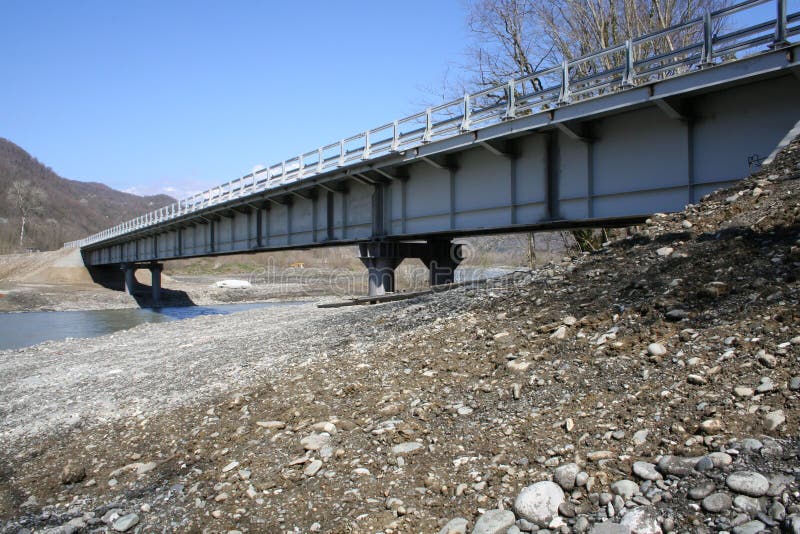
{"x": 699, "y": 43}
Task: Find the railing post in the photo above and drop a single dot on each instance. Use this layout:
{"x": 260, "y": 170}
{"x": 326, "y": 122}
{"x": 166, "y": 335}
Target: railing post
{"x": 565, "y": 94}
{"x": 426, "y": 136}
{"x": 628, "y": 76}
{"x": 341, "y": 153}
{"x": 365, "y": 155}
{"x": 395, "y": 136}
{"x": 780, "y": 28}
{"x": 511, "y": 104}
{"x": 300, "y": 166}
{"x": 708, "y": 39}
{"x": 319, "y": 160}
{"x": 467, "y": 114}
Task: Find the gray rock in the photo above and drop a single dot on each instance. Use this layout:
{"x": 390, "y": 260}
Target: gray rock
{"x": 72, "y": 473}
{"x": 677, "y": 465}
{"x": 774, "y": 419}
{"x": 407, "y": 447}
{"x": 525, "y": 525}
{"x": 494, "y": 522}
{"x": 717, "y": 502}
{"x": 791, "y": 524}
{"x": 794, "y": 383}
{"x": 538, "y": 503}
{"x": 642, "y": 520}
{"x": 751, "y": 527}
{"x": 777, "y": 511}
{"x": 750, "y": 444}
{"x": 609, "y": 527}
{"x": 704, "y": 464}
{"x": 720, "y": 459}
{"x": 581, "y": 479}
{"x": 702, "y": 490}
{"x": 646, "y": 471}
{"x": 766, "y": 385}
{"x": 640, "y": 437}
{"x": 581, "y": 524}
{"x": 748, "y": 483}
{"x": 125, "y": 523}
{"x": 455, "y": 526}
{"x": 565, "y": 475}
{"x": 625, "y": 488}
{"x": 748, "y": 505}
{"x": 312, "y": 468}
{"x": 676, "y": 315}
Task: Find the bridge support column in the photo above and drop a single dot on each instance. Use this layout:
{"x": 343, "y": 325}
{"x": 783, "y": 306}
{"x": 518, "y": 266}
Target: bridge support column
{"x": 442, "y": 259}
{"x": 381, "y": 258}
{"x": 130, "y": 277}
{"x": 155, "y": 276}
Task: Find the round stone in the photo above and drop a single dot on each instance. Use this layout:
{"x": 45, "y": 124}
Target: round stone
{"x": 748, "y": 483}
{"x": 642, "y": 520}
{"x": 564, "y": 476}
{"x": 538, "y": 503}
{"x": 717, "y": 502}
{"x": 494, "y": 522}
{"x": 656, "y": 349}
{"x": 646, "y": 471}
{"x": 702, "y": 490}
{"x": 625, "y": 488}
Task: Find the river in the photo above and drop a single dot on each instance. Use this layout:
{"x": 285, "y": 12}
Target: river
{"x": 19, "y": 330}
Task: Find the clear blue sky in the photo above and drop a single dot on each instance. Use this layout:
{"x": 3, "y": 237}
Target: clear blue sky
{"x": 166, "y": 96}
{"x": 149, "y": 95}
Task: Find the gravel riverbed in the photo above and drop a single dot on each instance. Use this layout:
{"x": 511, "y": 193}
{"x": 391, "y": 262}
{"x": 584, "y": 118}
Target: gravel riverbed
{"x": 649, "y": 387}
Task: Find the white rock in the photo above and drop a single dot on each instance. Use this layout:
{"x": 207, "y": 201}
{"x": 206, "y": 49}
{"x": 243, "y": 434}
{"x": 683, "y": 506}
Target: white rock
{"x": 494, "y": 522}
{"x": 233, "y": 284}
{"x": 539, "y": 502}
{"x": 665, "y": 251}
{"x": 656, "y": 349}
{"x": 231, "y": 466}
{"x": 642, "y": 520}
{"x": 312, "y": 468}
{"x": 646, "y": 471}
{"x": 560, "y": 333}
{"x": 455, "y": 526}
{"x": 125, "y": 523}
{"x": 564, "y": 476}
{"x": 625, "y": 488}
{"x": 407, "y": 447}
{"x": 774, "y": 419}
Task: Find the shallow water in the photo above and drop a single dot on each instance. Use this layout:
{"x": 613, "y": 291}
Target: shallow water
{"x": 25, "y": 329}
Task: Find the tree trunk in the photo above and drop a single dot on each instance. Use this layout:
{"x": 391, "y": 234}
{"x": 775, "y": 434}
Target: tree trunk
{"x": 22, "y": 231}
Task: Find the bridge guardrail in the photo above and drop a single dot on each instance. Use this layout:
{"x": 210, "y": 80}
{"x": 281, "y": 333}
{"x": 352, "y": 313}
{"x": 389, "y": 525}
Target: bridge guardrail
{"x": 698, "y": 43}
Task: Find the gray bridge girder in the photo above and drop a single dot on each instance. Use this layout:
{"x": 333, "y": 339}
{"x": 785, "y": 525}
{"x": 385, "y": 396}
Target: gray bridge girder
{"x": 615, "y": 159}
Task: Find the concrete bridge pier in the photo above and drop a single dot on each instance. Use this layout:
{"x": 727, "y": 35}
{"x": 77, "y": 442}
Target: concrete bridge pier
{"x": 155, "y": 277}
{"x": 130, "y": 277}
{"x": 381, "y": 258}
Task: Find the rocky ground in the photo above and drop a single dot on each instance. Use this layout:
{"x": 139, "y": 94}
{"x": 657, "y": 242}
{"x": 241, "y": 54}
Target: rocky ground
{"x": 649, "y": 387}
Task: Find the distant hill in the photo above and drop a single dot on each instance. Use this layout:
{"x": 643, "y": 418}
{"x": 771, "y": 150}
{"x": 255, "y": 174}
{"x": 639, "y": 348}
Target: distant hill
{"x": 71, "y": 209}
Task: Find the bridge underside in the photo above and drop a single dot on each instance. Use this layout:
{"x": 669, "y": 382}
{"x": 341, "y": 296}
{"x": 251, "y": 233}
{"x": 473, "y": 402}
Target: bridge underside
{"x": 608, "y": 161}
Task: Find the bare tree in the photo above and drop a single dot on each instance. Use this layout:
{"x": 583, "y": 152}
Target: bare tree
{"x": 28, "y": 201}
{"x": 514, "y": 38}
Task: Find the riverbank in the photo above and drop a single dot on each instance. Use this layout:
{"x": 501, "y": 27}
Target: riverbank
{"x": 655, "y": 383}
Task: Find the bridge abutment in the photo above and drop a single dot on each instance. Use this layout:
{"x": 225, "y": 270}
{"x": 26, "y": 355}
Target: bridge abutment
{"x": 381, "y": 258}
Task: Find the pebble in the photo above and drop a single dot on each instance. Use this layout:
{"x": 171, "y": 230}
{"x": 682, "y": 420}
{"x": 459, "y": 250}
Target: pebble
{"x": 794, "y": 383}
{"x": 312, "y": 468}
{"x": 407, "y": 447}
{"x": 702, "y": 490}
{"x": 716, "y": 502}
{"x": 704, "y": 464}
{"x": 609, "y": 527}
{"x": 625, "y": 488}
{"x": 72, "y": 473}
{"x": 455, "y": 526}
{"x": 125, "y": 523}
{"x": 711, "y": 426}
{"x": 766, "y": 385}
{"x": 539, "y": 502}
{"x": 697, "y": 380}
{"x": 742, "y": 391}
{"x": 640, "y": 437}
{"x": 747, "y": 483}
{"x": 646, "y": 471}
{"x": 751, "y": 527}
{"x": 774, "y": 419}
{"x": 665, "y": 251}
{"x": 676, "y": 315}
{"x": 596, "y": 456}
{"x": 656, "y": 349}
{"x": 642, "y": 520}
{"x": 748, "y": 505}
{"x": 565, "y": 475}
{"x": 230, "y": 467}
{"x": 494, "y": 522}
{"x": 677, "y": 465}
{"x": 720, "y": 459}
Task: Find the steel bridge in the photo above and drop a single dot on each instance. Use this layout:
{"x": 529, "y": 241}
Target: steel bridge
{"x": 648, "y": 126}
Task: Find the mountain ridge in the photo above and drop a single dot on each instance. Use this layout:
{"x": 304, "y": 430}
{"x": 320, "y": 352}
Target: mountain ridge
{"x": 71, "y": 209}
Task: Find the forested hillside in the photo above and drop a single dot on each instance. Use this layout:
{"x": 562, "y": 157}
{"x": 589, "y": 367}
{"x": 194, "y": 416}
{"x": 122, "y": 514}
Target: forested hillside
{"x": 64, "y": 209}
